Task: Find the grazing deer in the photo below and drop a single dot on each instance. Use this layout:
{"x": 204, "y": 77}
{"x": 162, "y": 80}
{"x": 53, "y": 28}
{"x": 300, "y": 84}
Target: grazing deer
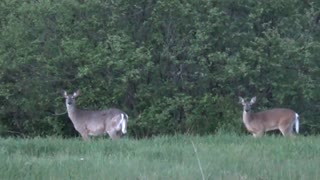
{"x": 261, "y": 122}
{"x": 93, "y": 123}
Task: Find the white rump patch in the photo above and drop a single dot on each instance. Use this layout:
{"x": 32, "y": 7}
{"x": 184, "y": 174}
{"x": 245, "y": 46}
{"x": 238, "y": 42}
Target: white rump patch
{"x": 297, "y": 122}
{"x": 123, "y": 124}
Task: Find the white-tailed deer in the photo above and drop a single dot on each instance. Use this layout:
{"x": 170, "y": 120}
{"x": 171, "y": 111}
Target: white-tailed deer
{"x": 261, "y": 122}
{"x": 93, "y": 123}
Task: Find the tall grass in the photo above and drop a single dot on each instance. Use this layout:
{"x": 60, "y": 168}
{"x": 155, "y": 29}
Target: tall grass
{"x": 169, "y": 157}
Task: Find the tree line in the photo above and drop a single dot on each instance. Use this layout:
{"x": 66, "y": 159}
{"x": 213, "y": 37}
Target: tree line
{"x": 175, "y": 66}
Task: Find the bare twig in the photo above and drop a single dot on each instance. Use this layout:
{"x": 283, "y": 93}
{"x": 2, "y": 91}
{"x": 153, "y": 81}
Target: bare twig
{"x": 14, "y": 132}
{"x": 59, "y": 114}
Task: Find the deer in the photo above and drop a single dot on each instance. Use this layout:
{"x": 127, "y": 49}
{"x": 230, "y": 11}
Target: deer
{"x": 96, "y": 122}
{"x": 273, "y": 119}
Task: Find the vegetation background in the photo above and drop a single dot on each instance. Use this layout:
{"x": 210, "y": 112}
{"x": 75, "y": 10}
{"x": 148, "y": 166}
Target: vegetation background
{"x": 175, "y": 66}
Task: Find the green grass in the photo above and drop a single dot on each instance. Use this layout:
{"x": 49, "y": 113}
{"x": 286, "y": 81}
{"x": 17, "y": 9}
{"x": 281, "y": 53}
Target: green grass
{"x": 170, "y": 157}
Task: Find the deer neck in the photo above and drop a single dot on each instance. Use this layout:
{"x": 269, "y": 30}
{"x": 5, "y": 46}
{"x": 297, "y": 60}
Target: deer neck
{"x": 72, "y": 111}
{"x": 247, "y": 117}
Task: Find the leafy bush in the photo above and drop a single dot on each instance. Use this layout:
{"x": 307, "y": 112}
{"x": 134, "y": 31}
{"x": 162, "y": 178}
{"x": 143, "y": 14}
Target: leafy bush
{"x": 174, "y": 67}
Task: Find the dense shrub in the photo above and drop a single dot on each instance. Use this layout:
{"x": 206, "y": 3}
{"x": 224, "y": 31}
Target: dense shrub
{"x": 173, "y": 66}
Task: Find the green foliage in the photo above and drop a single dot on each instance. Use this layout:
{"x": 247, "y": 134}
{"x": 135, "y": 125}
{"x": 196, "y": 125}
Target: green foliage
{"x": 173, "y": 66}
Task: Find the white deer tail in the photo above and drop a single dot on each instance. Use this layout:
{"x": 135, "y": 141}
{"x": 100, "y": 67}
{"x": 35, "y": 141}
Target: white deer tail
{"x": 297, "y": 123}
{"x": 123, "y": 123}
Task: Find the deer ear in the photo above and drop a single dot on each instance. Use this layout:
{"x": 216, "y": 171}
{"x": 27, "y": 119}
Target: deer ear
{"x": 77, "y": 93}
{"x": 253, "y": 100}
{"x": 241, "y": 100}
{"x": 64, "y": 93}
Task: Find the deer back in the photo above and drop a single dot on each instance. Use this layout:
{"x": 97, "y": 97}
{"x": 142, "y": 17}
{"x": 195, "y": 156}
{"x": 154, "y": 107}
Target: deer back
{"x": 269, "y": 119}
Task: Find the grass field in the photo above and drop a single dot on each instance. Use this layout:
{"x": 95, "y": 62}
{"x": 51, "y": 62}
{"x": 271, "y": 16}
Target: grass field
{"x": 172, "y": 157}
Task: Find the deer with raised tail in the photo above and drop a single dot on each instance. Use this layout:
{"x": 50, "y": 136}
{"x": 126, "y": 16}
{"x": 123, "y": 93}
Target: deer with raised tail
{"x": 94, "y": 122}
{"x": 272, "y": 119}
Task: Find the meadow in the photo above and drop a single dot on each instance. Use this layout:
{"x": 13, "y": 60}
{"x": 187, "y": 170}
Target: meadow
{"x": 223, "y": 156}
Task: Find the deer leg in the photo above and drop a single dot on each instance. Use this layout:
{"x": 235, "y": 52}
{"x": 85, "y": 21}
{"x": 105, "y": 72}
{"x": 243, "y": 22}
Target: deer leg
{"x": 257, "y": 134}
{"x": 85, "y": 136}
{"x": 113, "y": 135}
{"x": 287, "y": 131}
{"x": 291, "y": 128}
